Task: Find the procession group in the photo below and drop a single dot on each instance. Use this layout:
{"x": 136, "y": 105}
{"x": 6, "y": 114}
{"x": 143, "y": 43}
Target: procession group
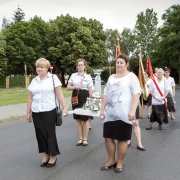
{"x": 119, "y": 108}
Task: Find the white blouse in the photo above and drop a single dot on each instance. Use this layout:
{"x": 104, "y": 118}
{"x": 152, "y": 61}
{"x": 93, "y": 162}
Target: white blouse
{"x": 76, "y": 79}
{"x": 163, "y": 86}
{"x": 171, "y": 82}
{"x": 43, "y": 93}
{"x": 148, "y": 82}
{"x": 119, "y": 92}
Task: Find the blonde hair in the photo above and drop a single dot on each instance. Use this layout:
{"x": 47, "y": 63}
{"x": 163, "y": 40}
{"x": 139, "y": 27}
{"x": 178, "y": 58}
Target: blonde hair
{"x": 43, "y": 62}
{"x": 160, "y": 69}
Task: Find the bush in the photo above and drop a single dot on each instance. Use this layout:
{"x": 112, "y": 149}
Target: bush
{"x": 105, "y": 75}
{"x": 14, "y": 81}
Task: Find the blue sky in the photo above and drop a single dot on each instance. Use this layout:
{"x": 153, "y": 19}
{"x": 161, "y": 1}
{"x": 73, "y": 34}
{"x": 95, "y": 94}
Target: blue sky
{"x": 113, "y": 14}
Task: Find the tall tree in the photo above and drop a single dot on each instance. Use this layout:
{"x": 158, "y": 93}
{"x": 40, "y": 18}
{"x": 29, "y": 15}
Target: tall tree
{"x": 74, "y": 38}
{"x": 145, "y": 31}
{"x": 26, "y": 42}
{"x": 168, "y": 49}
{"x": 127, "y": 40}
{"x": 18, "y": 15}
{"x": 111, "y": 42}
{"x": 5, "y": 23}
{"x": 3, "y": 59}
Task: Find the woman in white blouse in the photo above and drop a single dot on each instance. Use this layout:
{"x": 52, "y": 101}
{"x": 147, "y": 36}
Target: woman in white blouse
{"x": 159, "y": 111}
{"x": 41, "y": 102}
{"x": 81, "y": 83}
{"x": 120, "y": 101}
{"x": 171, "y": 94}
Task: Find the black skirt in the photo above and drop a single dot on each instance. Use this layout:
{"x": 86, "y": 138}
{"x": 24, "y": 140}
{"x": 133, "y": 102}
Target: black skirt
{"x": 148, "y": 101}
{"x": 159, "y": 114}
{"x": 118, "y": 130}
{"x": 137, "y": 112}
{"x": 45, "y": 129}
{"x": 170, "y": 104}
{"x": 82, "y": 97}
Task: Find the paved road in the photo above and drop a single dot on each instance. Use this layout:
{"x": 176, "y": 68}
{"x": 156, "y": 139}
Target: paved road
{"x": 20, "y": 159}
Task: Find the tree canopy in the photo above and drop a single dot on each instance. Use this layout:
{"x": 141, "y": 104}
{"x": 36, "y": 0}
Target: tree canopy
{"x": 3, "y": 59}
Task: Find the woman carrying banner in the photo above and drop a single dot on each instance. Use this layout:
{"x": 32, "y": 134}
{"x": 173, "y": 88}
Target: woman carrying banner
{"x": 137, "y": 132}
{"x": 159, "y": 90}
{"x": 121, "y": 97}
{"x": 149, "y": 99}
{"x": 171, "y": 94}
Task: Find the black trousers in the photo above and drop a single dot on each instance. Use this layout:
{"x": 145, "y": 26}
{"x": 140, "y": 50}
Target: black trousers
{"x": 45, "y": 129}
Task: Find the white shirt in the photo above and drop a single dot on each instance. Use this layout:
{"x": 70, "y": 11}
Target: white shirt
{"x": 43, "y": 93}
{"x": 148, "y": 82}
{"x": 163, "y": 86}
{"x": 171, "y": 82}
{"x": 76, "y": 79}
{"x": 119, "y": 92}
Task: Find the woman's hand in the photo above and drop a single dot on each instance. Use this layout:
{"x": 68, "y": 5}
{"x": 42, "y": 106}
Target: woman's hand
{"x": 131, "y": 116}
{"x": 102, "y": 115}
{"x": 79, "y": 86}
{"x": 65, "y": 112}
{"x": 28, "y": 117}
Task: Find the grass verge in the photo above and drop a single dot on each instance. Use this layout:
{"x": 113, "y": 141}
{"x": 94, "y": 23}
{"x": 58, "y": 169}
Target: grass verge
{"x": 19, "y": 95}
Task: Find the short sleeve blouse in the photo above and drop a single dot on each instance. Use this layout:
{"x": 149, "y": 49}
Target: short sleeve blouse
{"x": 119, "y": 92}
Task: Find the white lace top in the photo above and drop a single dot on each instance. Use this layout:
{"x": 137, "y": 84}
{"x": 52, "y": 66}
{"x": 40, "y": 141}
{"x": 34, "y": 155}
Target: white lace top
{"x": 119, "y": 92}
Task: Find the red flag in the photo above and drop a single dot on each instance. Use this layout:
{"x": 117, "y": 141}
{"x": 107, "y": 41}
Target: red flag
{"x": 118, "y": 52}
{"x": 149, "y": 68}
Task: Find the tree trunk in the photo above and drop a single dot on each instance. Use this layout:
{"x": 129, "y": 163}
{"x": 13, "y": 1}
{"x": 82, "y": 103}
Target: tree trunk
{"x": 63, "y": 79}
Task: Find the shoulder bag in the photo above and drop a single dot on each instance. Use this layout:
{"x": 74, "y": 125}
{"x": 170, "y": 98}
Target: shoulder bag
{"x": 74, "y": 99}
{"x": 58, "y": 111}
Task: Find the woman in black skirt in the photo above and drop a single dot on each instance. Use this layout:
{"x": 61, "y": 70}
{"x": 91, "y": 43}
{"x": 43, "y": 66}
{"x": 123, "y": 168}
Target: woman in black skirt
{"x": 41, "y": 102}
{"x": 120, "y": 100}
{"x": 171, "y": 94}
{"x": 147, "y": 102}
{"x": 159, "y": 111}
{"x": 81, "y": 84}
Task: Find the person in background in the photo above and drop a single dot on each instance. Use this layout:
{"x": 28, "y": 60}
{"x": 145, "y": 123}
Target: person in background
{"x": 91, "y": 117}
{"x": 159, "y": 111}
{"x": 149, "y": 99}
{"x": 41, "y": 102}
{"x": 137, "y": 132}
{"x": 155, "y": 72}
{"x": 121, "y": 97}
{"x": 82, "y": 82}
{"x": 171, "y": 94}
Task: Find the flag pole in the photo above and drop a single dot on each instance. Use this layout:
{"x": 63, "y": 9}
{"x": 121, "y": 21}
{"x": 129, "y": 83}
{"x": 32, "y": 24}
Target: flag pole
{"x": 142, "y": 102}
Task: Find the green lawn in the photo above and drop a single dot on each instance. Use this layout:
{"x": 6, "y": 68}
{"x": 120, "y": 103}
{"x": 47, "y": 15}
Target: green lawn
{"x": 19, "y": 95}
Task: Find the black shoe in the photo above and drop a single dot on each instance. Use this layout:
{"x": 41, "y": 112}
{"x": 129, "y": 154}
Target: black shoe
{"x": 118, "y": 170}
{"x": 90, "y": 128}
{"x": 149, "y": 128}
{"x": 79, "y": 144}
{"x": 51, "y": 165}
{"x": 108, "y": 167}
{"x": 44, "y": 163}
{"x": 129, "y": 144}
{"x": 84, "y": 144}
{"x": 141, "y": 149}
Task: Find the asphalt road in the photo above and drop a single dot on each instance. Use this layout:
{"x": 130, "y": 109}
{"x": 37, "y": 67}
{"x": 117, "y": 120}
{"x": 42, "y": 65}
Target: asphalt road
{"x": 20, "y": 160}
